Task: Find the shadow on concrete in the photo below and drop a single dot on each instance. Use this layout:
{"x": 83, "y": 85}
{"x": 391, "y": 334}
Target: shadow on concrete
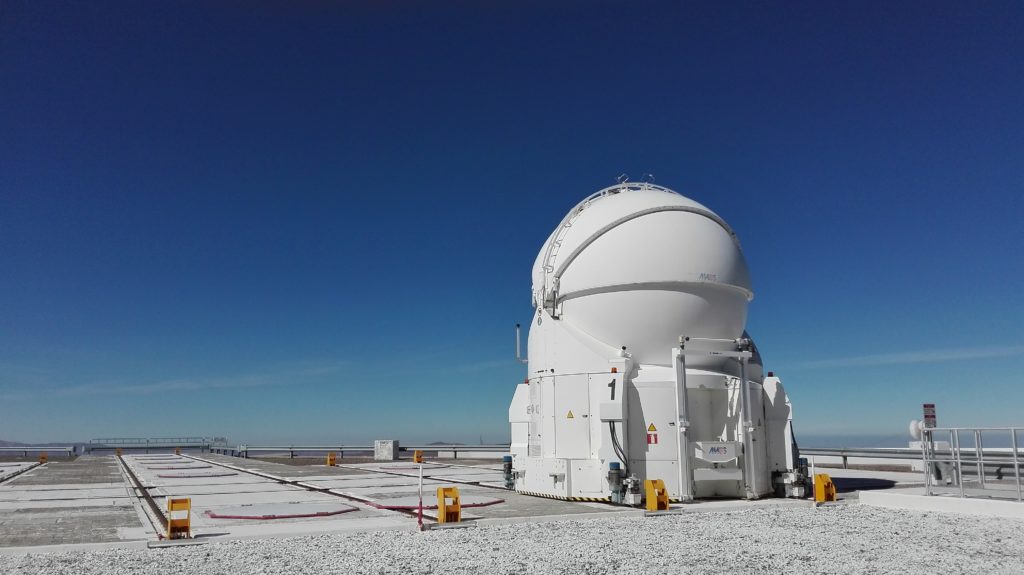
{"x": 848, "y": 484}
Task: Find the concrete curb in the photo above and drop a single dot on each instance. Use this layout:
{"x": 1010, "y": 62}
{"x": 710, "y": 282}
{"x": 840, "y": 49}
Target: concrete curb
{"x": 896, "y": 499}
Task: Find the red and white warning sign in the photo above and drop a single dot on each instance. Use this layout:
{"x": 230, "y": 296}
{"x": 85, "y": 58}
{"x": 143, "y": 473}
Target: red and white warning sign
{"x": 929, "y": 414}
{"x": 652, "y": 435}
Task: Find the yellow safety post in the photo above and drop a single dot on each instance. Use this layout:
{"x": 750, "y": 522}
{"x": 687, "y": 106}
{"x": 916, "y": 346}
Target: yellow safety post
{"x": 117, "y": 452}
{"x": 43, "y": 457}
{"x": 332, "y": 459}
{"x": 824, "y": 489}
{"x": 417, "y": 456}
{"x": 448, "y": 512}
{"x": 177, "y": 451}
{"x": 657, "y": 495}
{"x": 179, "y": 527}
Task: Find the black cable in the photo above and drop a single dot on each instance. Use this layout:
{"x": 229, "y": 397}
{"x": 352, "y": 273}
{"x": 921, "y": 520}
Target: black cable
{"x": 618, "y": 448}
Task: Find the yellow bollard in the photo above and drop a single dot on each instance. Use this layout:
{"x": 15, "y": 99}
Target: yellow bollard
{"x": 179, "y": 527}
{"x": 43, "y": 457}
{"x": 332, "y": 459}
{"x": 657, "y": 495}
{"x": 417, "y": 456}
{"x": 177, "y": 451}
{"x": 448, "y": 512}
{"x": 824, "y": 489}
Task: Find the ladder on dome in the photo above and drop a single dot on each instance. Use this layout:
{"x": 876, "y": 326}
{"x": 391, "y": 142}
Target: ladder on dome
{"x": 568, "y": 220}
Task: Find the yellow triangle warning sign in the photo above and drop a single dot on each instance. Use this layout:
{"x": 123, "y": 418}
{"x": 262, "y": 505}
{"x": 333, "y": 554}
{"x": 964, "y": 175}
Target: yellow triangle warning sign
{"x": 570, "y": 415}
{"x": 651, "y": 428}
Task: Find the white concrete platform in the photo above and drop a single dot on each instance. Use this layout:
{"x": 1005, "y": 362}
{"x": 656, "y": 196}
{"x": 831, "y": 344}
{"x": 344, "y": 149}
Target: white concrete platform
{"x": 359, "y": 481}
{"x": 411, "y": 501}
{"x": 337, "y": 477}
{"x": 472, "y": 478}
{"x": 183, "y": 481}
{"x": 196, "y": 475}
{"x": 228, "y": 488}
{"x": 234, "y": 498}
{"x": 65, "y": 503}
{"x": 273, "y": 511}
{"x": 83, "y": 500}
{"x": 228, "y": 502}
{"x": 178, "y": 466}
{"x": 445, "y": 472}
{"x": 205, "y": 502}
{"x": 914, "y": 498}
{"x": 66, "y": 492}
{"x": 11, "y": 468}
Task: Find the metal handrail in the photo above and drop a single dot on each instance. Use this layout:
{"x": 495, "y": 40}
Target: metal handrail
{"x": 859, "y": 452}
{"x": 495, "y": 447}
{"x": 932, "y": 456}
{"x": 243, "y": 450}
{"x": 974, "y": 428}
{"x": 112, "y": 443}
{"x": 889, "y": 453}
{"x": 149, "y": 440}
{"x": 26, "y": 449}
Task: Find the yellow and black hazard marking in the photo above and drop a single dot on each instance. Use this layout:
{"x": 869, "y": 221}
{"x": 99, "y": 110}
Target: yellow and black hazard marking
{"x": 560, "y": 498}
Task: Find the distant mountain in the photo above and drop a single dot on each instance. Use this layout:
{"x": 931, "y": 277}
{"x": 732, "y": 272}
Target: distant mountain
{"x": 10, "y": 444}
{"x": 4, "y": 443}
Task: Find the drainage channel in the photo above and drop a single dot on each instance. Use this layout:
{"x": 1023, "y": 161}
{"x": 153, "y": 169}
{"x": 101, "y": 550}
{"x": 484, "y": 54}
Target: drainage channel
{"x": 303, "y": 485}
{"x": 142, "y": 492}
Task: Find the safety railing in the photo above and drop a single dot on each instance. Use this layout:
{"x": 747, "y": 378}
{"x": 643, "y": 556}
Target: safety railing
{"x": 960, "y": 465}
{"x": 24, "y": 450}
{"x": 246, "y": 451}
{"x": 998, "y": 464}
{"x": 147, "y": 443}
{"x": 846, "y": 453}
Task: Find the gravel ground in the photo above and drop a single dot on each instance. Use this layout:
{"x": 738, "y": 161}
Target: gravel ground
{"x": 841, "y": 539}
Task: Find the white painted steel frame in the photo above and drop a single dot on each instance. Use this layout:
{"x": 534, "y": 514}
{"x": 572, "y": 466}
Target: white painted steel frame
{"x": 745, "y": 421}
{"x": 683, "y": 425}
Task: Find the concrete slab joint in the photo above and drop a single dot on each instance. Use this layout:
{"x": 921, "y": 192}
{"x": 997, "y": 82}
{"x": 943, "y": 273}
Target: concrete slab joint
{"x": 385, "y": 450}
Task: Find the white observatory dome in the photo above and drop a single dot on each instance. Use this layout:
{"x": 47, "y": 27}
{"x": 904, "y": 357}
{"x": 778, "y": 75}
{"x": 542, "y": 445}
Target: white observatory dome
{"x": 638, "y": 265}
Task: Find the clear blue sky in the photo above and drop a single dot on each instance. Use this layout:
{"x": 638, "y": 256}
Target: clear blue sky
{"x": 297, "y": 222}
